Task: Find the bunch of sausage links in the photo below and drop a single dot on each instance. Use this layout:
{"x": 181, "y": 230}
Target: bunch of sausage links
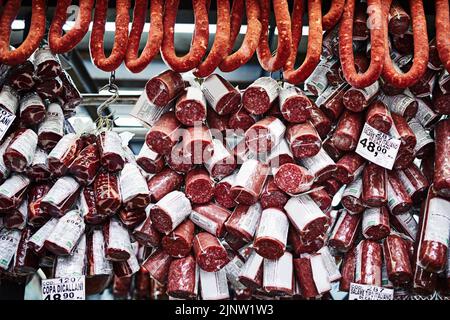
{"x": 202, "y": 213}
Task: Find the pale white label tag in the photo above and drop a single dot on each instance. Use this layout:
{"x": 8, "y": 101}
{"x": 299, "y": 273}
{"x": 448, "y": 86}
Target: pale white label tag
{"x": 70, "y": 288}
{"x": 367, "y": 292}
{"x": 6, "y": 119}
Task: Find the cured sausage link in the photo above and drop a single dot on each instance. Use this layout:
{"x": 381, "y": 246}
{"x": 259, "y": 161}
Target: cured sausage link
{"x": 120, "y": 39}
{"x": 443, "y": 32}
{"x": 362, "y": 80}
{"x": 63, "y": 43}
{"x": 268, "y": 62}
{"x": 34, "y": 37}
{"x": 199, "y": 40}
{"x": 237, "y": 12}
{"x": 314, "y": 49}
{"x": 251, "y": 39}
{"x": 333, "y": 15}
{"x": 221, "y": 41}
{"x": 421, "y": 52}
{"x": 133, "y": 61}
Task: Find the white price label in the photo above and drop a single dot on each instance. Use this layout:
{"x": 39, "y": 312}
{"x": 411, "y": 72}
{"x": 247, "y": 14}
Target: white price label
{"x": 69, "y": 288}
{"x": 367, "y": 292}
{"x": 378, "y": 147}
{"x": 6, "y": 119}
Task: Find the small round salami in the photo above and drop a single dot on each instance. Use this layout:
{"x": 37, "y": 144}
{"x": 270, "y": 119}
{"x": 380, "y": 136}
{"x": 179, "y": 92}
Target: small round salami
{"x": 164, "y": 134}
{"x": 303, "y": 140}
{"x": 199, "y": 187}
{"x": 293, "y": 179}
{"x": 164, "y": 87}
{"x": 260, "y": 95}
{"x": 294, "y": 104}
{"x": 178, "y": 243}
{"x": 191, "y": 107}
{"x": 210, "y": 254}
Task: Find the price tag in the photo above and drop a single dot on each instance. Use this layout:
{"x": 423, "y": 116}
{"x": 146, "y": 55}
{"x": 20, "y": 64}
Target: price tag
{"x": 70, "y": 288}
{"x": 367, "y": 292}
{"x": 378, "y": 147}
{"x": 6, "y": 119}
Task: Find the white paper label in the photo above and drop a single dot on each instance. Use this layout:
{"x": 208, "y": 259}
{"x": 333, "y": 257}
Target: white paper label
{"x": 371, "y": 217}
{"x": 406, "y": 182}
{"x": 409, "y": 224}
{"x": 132, "y": 182}
{"x": 367, "y": 292}
{"x": 61, "y": 190}
{"x": 177, "y": 205}
{"x": 214, "y": 285}
{"x": 40, "y": 158}
{"x": 274, "y": 224}
{"x": 119, "y": 237}
{"x": 30, "y": 99}
{"x": 111, "y": 143}
{"x": 269, "y": 85}
{"x": 278, "y": 273}
{"x": 276, "y": 130}
{"x": 397, "y": 104}
{"x": 232, "y": 269}
{"x": 146, "y": 112}
{"x": 54, "y": 121}
{"x": 6, "y": 119}
{"x": 378, "y": 147}
{"x": 251, "y": 266}
{"x": 246, "y": 174}
{"x": 74, "y": 264}
{"x": 62, "y": 146}
{"x": 250, "y": 220}
{"x": 9, "y": 241}
{"x": 14, "y": 185}
{"x": 43, "y": 233}
{"x": 302, "y": 210}
{"x": 317, "y": 163}
{"x": 70, "y": 288}
{"x": 43, "y": 55}
{"x": 204, "y": 222}
{"x": 101, "y": 264}
{"x": 68, "y": 230}
{"x": 147, "y": 153}
{"x": 438, "y": 222}
{"x": 424, "y": 113}
{"x": 25, "y": 144}
{"x": 3, "y": 169}
{"x": 9, "y": 99}
{"x": 330, "y": 264}
{"x": 214, "y": 90}
{"x": 422, "y": 136}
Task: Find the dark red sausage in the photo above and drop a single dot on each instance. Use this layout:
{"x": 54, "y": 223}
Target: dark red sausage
{"x": 181, "y": 283}
{"x": 304, "y": 140}
{"x": 348, "y": 130}
{"x": 210, "y": 254}
{"x": 210, "y": 217}
{"x": 162, "y": 183}
{"x": 178, "y": 243}
{"x": 244, "y": 220}
{"x": 398, "y": 19}
{"x": 164, "y": 134}
{"x": 197, "y": 144}
{"x": 349, "y": 167}
{"x": 190, "y": 108}
{"x": 368, "y": 263}
{"x": 442, "y": 166}
{"x": 374, "y": 192}
{"x": 264, "y": 134}
{"x": 293, "y": 179}
{"x": 345, "y": 231}
{"x": 358, "y": 99}
{"x": 272, "y": 196}
{"x": 397, "y": 260}
{"x": 399, "y": 200}
{"x": 222, "y": 191}
{"x": 351, "y": 198}
{"x": 249, "y": 182}
{"x": 305, "y": 278}
{"x": 443, "y": 32}
{"x": 146, "y": 234}
{"x": 331, "y": 102}
{"x": 379, "y": 117}
{"x": 259, "y": 96}
{"x": 164, "y": 88}
{"x": 294, "y": 104}
{"x": 375, "y": 223}
{"x": 199, "y": 187}
{"x": 158, "y": 265}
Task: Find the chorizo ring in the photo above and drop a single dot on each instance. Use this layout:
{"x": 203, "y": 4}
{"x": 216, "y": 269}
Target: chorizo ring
{"x": 331, "y": 18}
{"x": 443, "y": 32}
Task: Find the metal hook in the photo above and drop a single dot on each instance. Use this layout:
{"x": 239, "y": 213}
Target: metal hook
{"x": 106, "y": 120}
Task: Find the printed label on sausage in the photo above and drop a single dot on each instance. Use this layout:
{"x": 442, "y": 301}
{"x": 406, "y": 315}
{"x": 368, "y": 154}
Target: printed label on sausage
{"x": 74, "y": 264}
{"x": 438, "y": 222}
{"x": 269, "y": 85}
{"x": 330, "y": 264}
{"x": 9, "y": 99}
{"x": 232, "y": 269}
{"x": 214, "y": 89}
{"x": 424, "y": 114}
{"x": 54, "y": 120}
{"x": 317, "y": 82}
{"x": 111, "y": 143}
{"x": 9, "y": 241}
{"x": 6, "y": 119}
{"x": 147, "y": 153}
{"x": 276, "y": 129}
{"x": 43, "y": 233}
{"x": 278, "y": 273}
{"x": 378, "y": 147}
{"x": 408, "y": 222}
{"x": 30, "y": 100}
{"x": 13, "y": 185}
{"x": 176, "y": 205}
{"x": 132, "y": 183}
{"x": 43, "y": 55}
{"x": 68, "y": 231}
{"x": 40, "y": 158}
{"x": 203, "y": 222}
{"x": 249, "y": 222}
{"x": 62, "y": 146}
{"x": 69, "y": 288}
{"x": 101, "y": 264}
{"x": 214, "y": 285}
{"x": 371, "y": 217}
{"x": 367, "y": 292}
{"x": 3, "y": 169}
{"x": 422, "y": 136}
{"x": 147, "y": 112}
{"x": 61, "y": 190}
{"x": 119, "y": 238}
{"x": 25, "y": 144}
{"x": 195, "y": 94}
{"x": 251, "y": 266}
{"x": 274, "y": 224}
{"x": 246, "y": 174}
{"x": 317, "y": 163}
{"x": 393, "y": 199}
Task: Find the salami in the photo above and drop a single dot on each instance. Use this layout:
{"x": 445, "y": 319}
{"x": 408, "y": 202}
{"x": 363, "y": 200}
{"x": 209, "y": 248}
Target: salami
{"x": 241, "y": 120}
{"x": 150, "y": 161}
{"x": 304, "y": 140}
{"x": 38, "y": 170}
{"x": 368, "y": 263}
{"x": 199, "y": 42}
{"x": 210, "y": 217}
{"x": 47, "y": 65}
{"x": 442, "y": 32}
{"x": 306, "y": 217}
{"x": 264, "y": 134}
{"x": 358, "y": 99}
{"x": 401, "y": 104}
{"x": 293, "y": 179}
{"x": 146, "y": 234}
{"x": 375, "y": 223}
{"x": 20, "y": 152}
{"x": 397, "y": 260}
{"x": 294, "y": 104}
{"x": 32, "y": 109}
{"x": 259, "y": 96}
{"x": 88, "y": 206}
{"x": 403, "y": 132}
{"x": 135, "y": 62}
{"x": 281, "y": 9}
{"x": 117, "y": 241}
{"x": 331, "y": 149}
{"x": 398, "y": 19}
{"x": 374, "y": 189}
{"x": 85, "y": 166}
{"x": 61, "y": 197}
{"x": 62, "y": 155}
{"x": 348, "y": 270}
{"x": 17, "y": 218}
{"x": 183, "y": 278}
{"x": 209, "y": 253}
{"x": 399, "y": 200}
{"x": 70, "y": 97}
{"x": 249, "y": 182}
{"x": 64, "y": 43}
{"x": 25, "y": 261}
{"x": 272, "y": 196}
{"x": 378, "y": 45}
{"x": 222, "y": 163}
{"x": 305, "y": 278}
{"x": 244, "y": 220}
{"x": 300, "y": 246}
{"x": 164, "y": 134}
{"x": 96, "y": 44}
{"x": 271, "y": 235}
{"x": 405, "y": 223}
{"x": 344, "y": 232}
{"x": 331, "y": 186}
{"x": 133, "y": 188}
{"x": 179, "y": 242}
{"x": 222, "y": 191}
{"x": 163, "y": 183}
{"x": 33, "y": 39}
{"x": 251, "y": 39}
{"x": 379, "y": 117}
{"x": 321, "y": 166}
{"x": 330, "y": 101}
{"x": 441, "y": 104}
{"x": 36, "y": 217}
{"x": 331, "y": 18}
{"x": 164, "y": 88}
{"x": 278, "y": 275}
{"x": 441, "y": 167}
{"x": 347, "y": 132}
{"x": 349, "y": 167}
{"x": 314, "y": 50}
{"x": 197, "y": 144}
{"x": 107, "y": 192}
{"x": 170, "y": 211}
{"x": 179, "y": 159}
{"x": 190, "y": 108}
{"x": 320, "y": 121}
{"x": 158, "y": 265}
{"x": 251, "y": 273}
{"x": 20, "y": 77}
{"x": 221, "y": 95}
{"x": 199, "y": 187}
{"x": 112, "y": 154}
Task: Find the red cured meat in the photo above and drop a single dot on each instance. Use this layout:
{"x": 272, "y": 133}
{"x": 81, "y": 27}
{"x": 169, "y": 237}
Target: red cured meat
{"x": 47, "y": 65}
{"x": 360, "y": 29}
{"x": 251, "y": 273}
{"x": 368, "y": 263}
{"x": 158, "y": 264}
{"x": 61, "y": 197}
{"x": 414, "y": 181}
{"x": 164, "y": 88}
{"x": 349, "y": 167}
{"x": 49, "y": 89}
{"x": 164, "y": 134}
{"x": 163, "y": 183}
{"x": 294, "y": 104}
{"x": 379, "y": 117}
{"x": 62, "y": 155}
{"x": 199, "y": 187}
{"x": 320, "y": 121}
{"x": 258, "y": 97}
{"x": 146, "y": 234}
{"x": 217, "y": 122}
{"x": 406, "y": 135}
{"x": 398, "y": 20}
{"x": 32, "y": 109}
{"x": 117, "y": 241}
{"x": 249, "y": 182}
{"x": 51, "y": 130}
{"x": 280, "y": 155}
{"x": 210, "y": 217}
{"x": 348, "y": 130}
{"x": 179, "y": 242}
{"x": 197, "y": 143}
{"x": 150, "y": 161}
{"x": 278, "y": 276}
{"x": 442, "y": 162}
{"x": 293, "y": 179}
{"x": 221, "y": 95}
{"x": 303, "y": 140}
{"x": 348, "y": 270}
{"x": 89, "y": 205}
{"x": 209, "y": 253}
{"x": 191, "y": 107}
{"x": 107, "y": 192}
{"x": 131, "y": 218}
{"x": 344, "y": 231}
{"x": 85, "y": 166}
{"x": 441, "y": 101}
{"x": 375, "y": 223}
{"x": 16, "y": 218}
{"x": 299, "y": 246}
{"x": 330, "y": 101}
{"x": 272, "y": 196}
{"x": 20, "y": 76}
{"x": 264, "y": 134}
{"x": 424, "y": 282}
{"x": 71, "y": 97}
{"x": 36, "y": 217}
{"x": 374, "y": 190}
{"x": 357, "y": 100}
{"x": 179, "y": 160}
{"x": 181, "y": 283}
{"x": 271, "y": 235}
{"x": 399, "y": 200}
{"x": 397, "y": 260}
{"x": 25, "y": 261}
{"x": 20, "y": 152}
{"x": 331, "y": 186}
{"x": 304, "y": 276}
{"x": 133, "y": 188}
{"x": 241, "y": 120}
{"x": 243, "y": 221}
{"x": 112, "y": 154}
{"x": 222, "y": 192}
{"x": 122, "y": 286}
{"x": 38, "y": 170}
{"x": 321, "y": 198}
{"x": 222, "y": 163}
{"x": 321, "y": 166}
{"x": 331, "y": 150}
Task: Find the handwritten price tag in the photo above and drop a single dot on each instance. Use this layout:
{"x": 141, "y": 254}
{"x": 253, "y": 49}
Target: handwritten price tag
{"x": 378, "y": 147}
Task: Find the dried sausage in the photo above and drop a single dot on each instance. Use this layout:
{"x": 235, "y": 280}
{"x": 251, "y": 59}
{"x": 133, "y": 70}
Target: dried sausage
{"x": 331, "y": 102}
{"x": 146, "y": 234}
{"x": 272, "y": 196}
{"x": 158, "y": 264}
{"x": 260, "y": 95}
{"x": 374, "y": 190}
{"x": 85, "y": 166}
{"x": 264, "y": 134}
{"x": 178, "y": 243}
{"x": 348, "y": 130}
{"x": 294, "y": 104}
{"x": 271, "y": 235}
{"x": 398, "y": 19}
{"x": 358, "y": 99}
{"x": 133, "y": 188}
{"x": 164, "y": 134}
{"x": 399, "y": 200}
{"x": 331, "y": 18}
{"x": 221, "y": 95}
{"x": 112, "y": 153}
{"x": 348, "y": 270}
{"x": 305, "y": 278}
{"x": 349, "y": 167}
{"x": 170, "y": 211}
{"x": 164, "y": 88}
{"x": 33, "y": 39}
{"x": 441, "y": 171}
{"x": 351, "y": 198}
{"x": 378, "y": 46}
{"x": 117, "y": 241}
{"x": 368, "y": 263}
{"x": 241, "y": 120}
{"x": 375, "y": 223}
{"x": 251, "y": 39}
{"x": 197, "y": 144}
{"x": 182, "y": 278}
{"x": 379, "y": 117}
{"x": 443, "y": 32}
{"x": 397, "y": 260}
{"x": 20, "y": 152}
{"x": 150, "y": 161}
{"x": 222, "y": 163}
{"x": 133, "y": 61}
{"x": 96, "y": 44}
{"x": 344, "y": 232}
{"x": 210, "y": 254}
{"x": 210, "y": 217}
{"x": 304, "y": 140}
{"x": 107, "y": 192}
{"x": 88, "y": 206}
{"x": 320, "y": 121}
{"x": 199, "y": 41}
{"x": 314, "y": 50}
{"x": 249, "y": 182}
{"x": 190, "y": 108}
{"x": 293, "y": 179}
{"x": 222, "y": 191}
{"x": 321, "y": 166}
{"x": 64, "y": 43}
{"x": 278, "y": 275}
{"x": 61, "y": 197}
{"x": 244, "y": 220}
